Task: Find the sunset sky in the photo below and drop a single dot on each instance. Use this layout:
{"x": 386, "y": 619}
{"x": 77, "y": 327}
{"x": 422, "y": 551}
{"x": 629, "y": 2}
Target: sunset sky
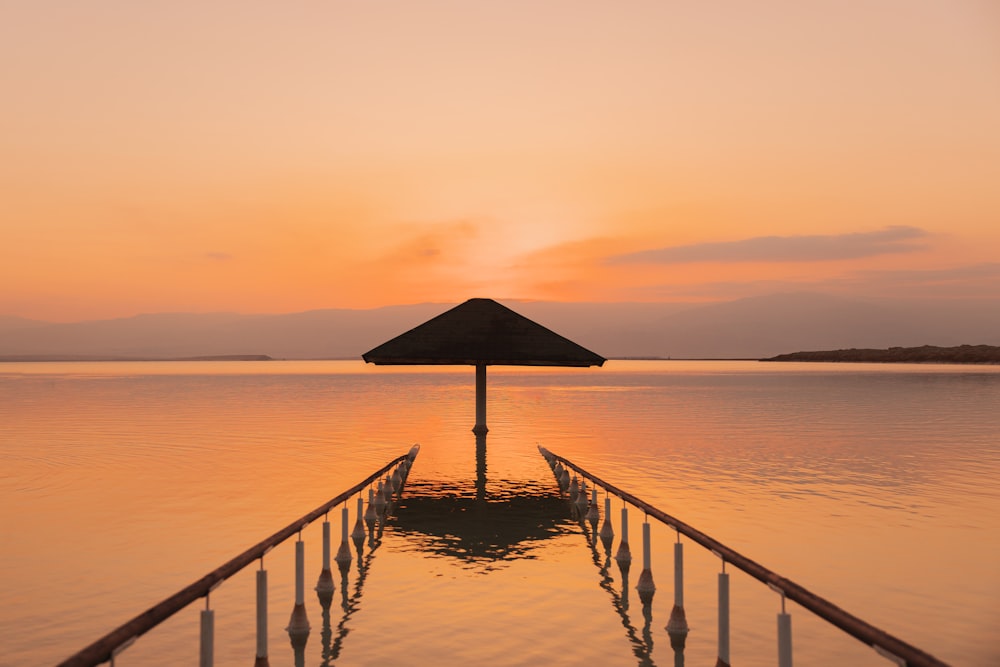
{"x": 276, "y": 157}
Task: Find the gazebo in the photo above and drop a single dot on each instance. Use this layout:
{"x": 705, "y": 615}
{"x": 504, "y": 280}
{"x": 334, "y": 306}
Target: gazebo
{"x": 481, "y": 333}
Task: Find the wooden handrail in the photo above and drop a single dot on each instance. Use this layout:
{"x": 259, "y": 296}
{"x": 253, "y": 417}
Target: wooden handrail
{"x": 102, "y": 650}
{"x": 880, "y": 640}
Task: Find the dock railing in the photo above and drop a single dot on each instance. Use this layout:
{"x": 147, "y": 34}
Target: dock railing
{"x": 110, "y": 645}
{"x": 885, "y": 644}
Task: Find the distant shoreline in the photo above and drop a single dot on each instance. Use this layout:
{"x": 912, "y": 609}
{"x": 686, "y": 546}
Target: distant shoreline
{"x": 68, "y": 358}
{"x": 926, "y": 354}
{"x": 35, "y": 358}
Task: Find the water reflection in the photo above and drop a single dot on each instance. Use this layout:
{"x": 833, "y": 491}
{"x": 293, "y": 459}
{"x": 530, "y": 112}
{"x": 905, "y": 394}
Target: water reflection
{"x": 371, "y": 524}
{"x": 809, "y": 470}
{"x": 482, "y": 524}
{"x": 641, "y": 641}
{"x": 481, "y": 466}
{"x": 332, "y": 643}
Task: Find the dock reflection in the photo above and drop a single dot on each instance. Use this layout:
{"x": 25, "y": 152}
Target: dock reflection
{"x": 479, "y": 524}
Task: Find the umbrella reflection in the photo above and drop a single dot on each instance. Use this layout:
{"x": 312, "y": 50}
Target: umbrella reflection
{"x": 480, "y": 527}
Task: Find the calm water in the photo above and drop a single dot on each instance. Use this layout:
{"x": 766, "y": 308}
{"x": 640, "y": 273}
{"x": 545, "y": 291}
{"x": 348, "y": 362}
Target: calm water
{"x": 875, "y": 486}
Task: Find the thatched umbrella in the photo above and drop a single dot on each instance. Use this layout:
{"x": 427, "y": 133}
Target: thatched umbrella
{"x": 481, "y": 333}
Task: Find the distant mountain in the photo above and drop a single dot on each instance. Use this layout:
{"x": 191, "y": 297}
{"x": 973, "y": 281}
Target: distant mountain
{"x": 314, "y": 334}
{"x": 11, "y": 323}
{"x": 746, "y": 328}
{"x": 770, "y": 325}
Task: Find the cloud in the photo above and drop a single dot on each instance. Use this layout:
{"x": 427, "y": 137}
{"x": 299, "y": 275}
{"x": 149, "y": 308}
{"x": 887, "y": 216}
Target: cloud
{"x": 432, "y": 242}
{"x": 219, "y": 256}
{"x": 580, "y": 251}
{"x": 413, "y": 263}
{"x": 814, "y": 248}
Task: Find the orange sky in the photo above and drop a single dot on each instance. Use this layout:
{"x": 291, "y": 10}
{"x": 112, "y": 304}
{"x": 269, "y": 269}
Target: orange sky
{"x": 275, "y": 157}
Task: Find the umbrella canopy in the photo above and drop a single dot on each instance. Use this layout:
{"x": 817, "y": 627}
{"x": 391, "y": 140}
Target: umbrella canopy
{"x": 482, "y": 332}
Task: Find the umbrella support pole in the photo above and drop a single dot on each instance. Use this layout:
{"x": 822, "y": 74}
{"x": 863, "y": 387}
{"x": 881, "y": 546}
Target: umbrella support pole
{"x": 480, "y": 427}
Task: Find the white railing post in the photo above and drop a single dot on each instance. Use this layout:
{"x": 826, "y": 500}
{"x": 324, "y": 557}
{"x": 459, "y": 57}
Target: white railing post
{"x": 607, "y": 530}
{"x": 784, "y": 635}
{"x": 646, "y": 587}
{"x": 298, "y": 623}
{"x": 723, "y": 618}
{"x": 324, "y": 586}
{"x": 207, "y": 644}
{"x": 261, "y": 660}
{"x": 358, "y": 534}
{"x": 624, "y": 554}
{"x": 593, "y": 514}
{"x": 344, "y": 552}
{"x": 581, "y": 500}
{"x": 677, "y": 626}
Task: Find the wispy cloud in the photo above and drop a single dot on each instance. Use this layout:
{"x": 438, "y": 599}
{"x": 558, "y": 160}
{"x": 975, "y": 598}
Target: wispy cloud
{"x": 415, "y": 262}
{"x": 218, "y": 256}
{"x": 435, "y": 242}
{"x": 812, "y": 248}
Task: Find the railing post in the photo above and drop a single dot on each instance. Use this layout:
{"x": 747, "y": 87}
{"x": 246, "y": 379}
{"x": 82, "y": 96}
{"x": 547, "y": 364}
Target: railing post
{"x": 387, "y": 488}
{"x": 607, "y": 530}
{"x": 624, "y": 555}
{"x": 324, "y": 586}
{"x": 358, "y": 534}
{"x": 298, "y": 624}
{"x": 261, "y": 660}
{"x": 397, "y": 480}
{"x": 723, "y": 660}
{"x": 784, "y": 634}
{"x": 581, "y": 499}
{"x": 344, "y": 552}
{"x": 593, "y": 514}
{"x": 207, "y": 644}
{"x": 370, "y": 514}
{"x": 677, "y": 626}
{"x": 646, "y": 587}
{"x": 562, "y": 477}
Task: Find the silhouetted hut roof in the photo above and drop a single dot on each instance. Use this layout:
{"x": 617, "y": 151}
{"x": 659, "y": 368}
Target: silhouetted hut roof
{"x": 481, "y": 331}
